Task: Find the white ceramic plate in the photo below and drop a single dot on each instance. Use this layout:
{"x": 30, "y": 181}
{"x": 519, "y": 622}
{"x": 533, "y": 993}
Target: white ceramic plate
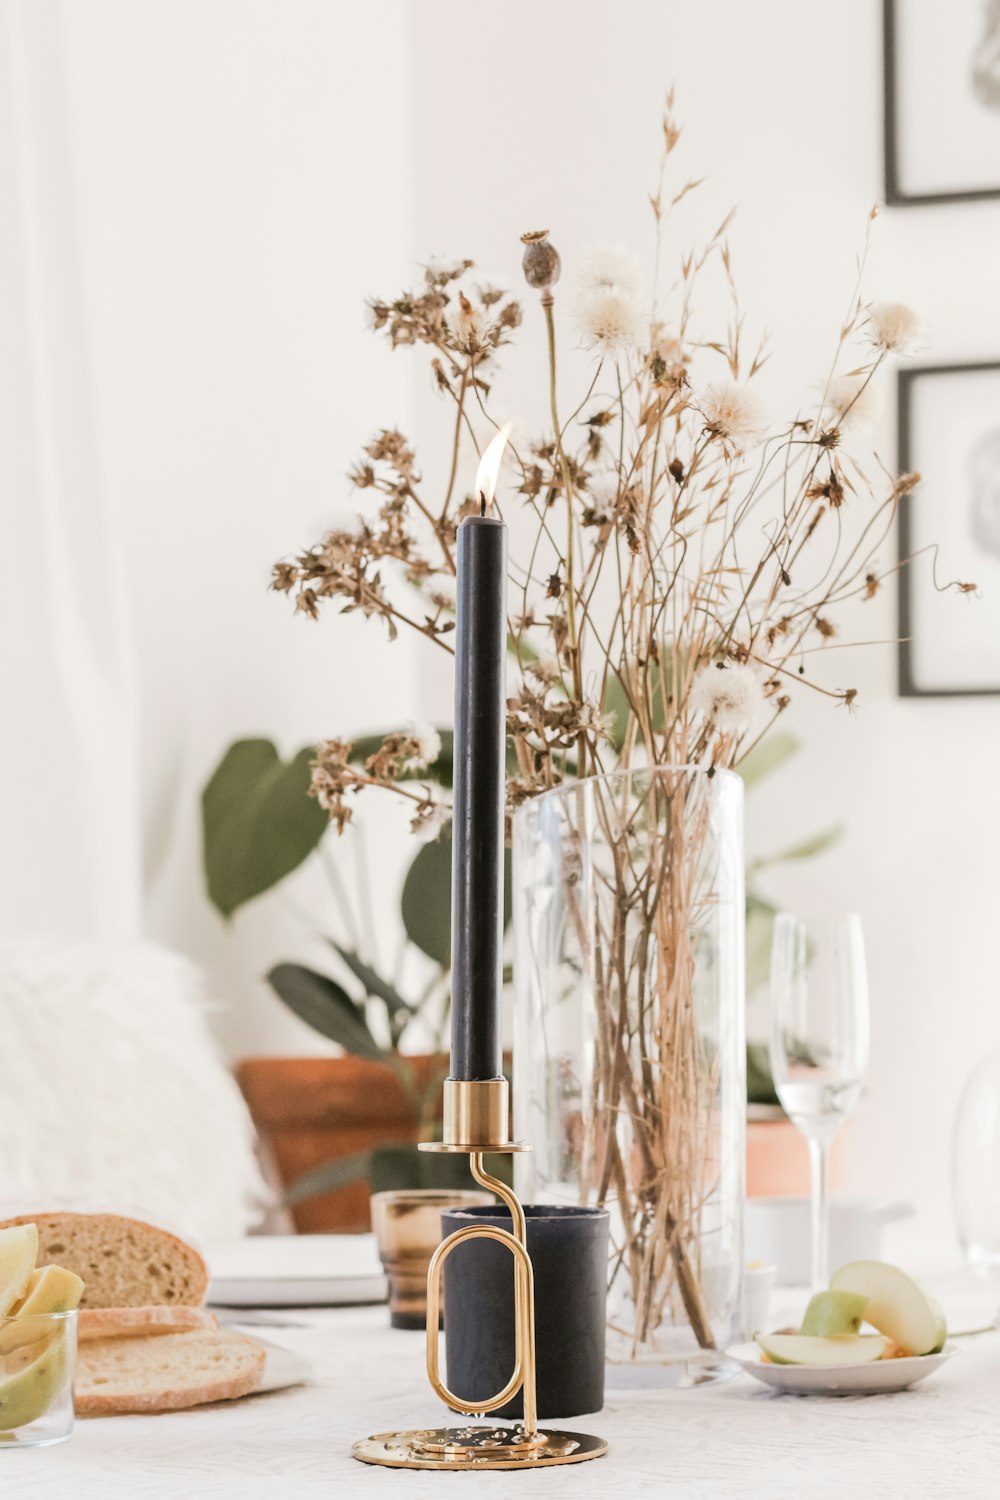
{"x": 306, "y": 1270}
{"x": 843, "y": 1380}
{"x": 283, "y": 1368}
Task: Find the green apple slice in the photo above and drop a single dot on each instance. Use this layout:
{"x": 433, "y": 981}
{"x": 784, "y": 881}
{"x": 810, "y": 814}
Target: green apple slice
{"x": 898, "y": 1306}
{"x": 800, "y": 1349}
{"x": 30, "y": 1380}
{"x": 831, "y": 1314}
{"x": 18, "y": 1252}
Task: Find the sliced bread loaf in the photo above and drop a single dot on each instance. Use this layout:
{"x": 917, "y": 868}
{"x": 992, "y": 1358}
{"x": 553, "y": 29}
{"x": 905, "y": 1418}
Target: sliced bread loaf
{"x": 123, "y": 1262}
{"x": 140, "y": 1322}
{"x": 164, "y": 1372}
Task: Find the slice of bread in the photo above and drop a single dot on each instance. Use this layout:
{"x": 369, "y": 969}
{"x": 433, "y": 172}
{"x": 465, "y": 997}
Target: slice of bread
{"x": 123, "y": 1262}
{"x": 140, "y": 1322}
{"x": 164, "y": 1372}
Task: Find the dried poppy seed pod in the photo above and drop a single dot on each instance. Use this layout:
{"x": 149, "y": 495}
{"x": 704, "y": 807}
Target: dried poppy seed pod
{"x": 541, "y": 260}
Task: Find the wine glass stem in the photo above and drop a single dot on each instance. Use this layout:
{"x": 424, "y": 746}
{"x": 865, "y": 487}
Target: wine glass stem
{"x": 818, "y": 1158}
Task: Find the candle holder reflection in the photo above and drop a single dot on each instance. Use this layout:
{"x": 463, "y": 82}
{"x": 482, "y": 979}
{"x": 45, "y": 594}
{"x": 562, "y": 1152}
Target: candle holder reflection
{"x": 475, "y": 1124}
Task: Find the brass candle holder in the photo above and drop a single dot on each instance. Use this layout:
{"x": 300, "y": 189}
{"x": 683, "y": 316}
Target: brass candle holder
{"x": 475, "y": 1124}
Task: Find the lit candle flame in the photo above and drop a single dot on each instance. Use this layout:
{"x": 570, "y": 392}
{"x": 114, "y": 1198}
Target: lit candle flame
{"x": 489, "y": 465}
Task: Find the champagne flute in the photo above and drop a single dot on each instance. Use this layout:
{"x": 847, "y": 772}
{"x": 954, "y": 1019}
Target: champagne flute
{"x": 819, "y": 1042}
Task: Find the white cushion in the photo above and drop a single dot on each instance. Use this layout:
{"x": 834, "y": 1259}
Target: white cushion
{"x": 112, "y": 1090}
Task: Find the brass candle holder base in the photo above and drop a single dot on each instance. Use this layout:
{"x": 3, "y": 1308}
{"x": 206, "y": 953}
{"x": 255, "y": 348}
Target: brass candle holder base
{"x": 475, "y": 1122}
{"x": 487, "y": 1448}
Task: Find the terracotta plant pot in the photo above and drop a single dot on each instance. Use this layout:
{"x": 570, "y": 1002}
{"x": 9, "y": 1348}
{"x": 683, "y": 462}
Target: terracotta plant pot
{"x": 778, "y": 1156}
{"x": 311, "y": 1110}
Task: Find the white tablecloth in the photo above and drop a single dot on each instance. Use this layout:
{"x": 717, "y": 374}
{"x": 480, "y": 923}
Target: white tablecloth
{"x": 740, "y": 1440}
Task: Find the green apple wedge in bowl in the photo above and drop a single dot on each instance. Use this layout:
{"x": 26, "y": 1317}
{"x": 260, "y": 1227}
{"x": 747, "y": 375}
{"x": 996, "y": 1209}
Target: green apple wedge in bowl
{"x": 840, "y": 1349}
{"x": 834, "y": 1313}
{"x": 897, "y": 1305}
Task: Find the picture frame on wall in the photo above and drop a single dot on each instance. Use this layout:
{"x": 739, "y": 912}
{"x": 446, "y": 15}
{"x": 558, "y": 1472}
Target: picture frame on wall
{"x": 949, "y": 432}
{"x": 942, "y": 101}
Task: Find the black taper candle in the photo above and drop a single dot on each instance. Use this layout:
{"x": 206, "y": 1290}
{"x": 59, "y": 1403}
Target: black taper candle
{"x": 478, "y": 827}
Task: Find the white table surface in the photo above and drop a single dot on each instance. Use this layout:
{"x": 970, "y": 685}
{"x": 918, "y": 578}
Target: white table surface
{"x": 739, "y": 1439}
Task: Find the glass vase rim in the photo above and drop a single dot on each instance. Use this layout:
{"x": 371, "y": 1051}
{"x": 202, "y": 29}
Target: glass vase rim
{"x": 723, "y": 774}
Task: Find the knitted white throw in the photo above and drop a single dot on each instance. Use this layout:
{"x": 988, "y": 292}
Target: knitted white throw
{"x": 112, "y": 1091}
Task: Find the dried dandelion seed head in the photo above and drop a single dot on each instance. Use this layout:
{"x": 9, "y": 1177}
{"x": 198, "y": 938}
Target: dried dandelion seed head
{"x": 734, "y": 414}
{"x": 853, "y": 403}
{"x": 540, "y": 262}
{"x": 606, "y": 319}
{"x": 605, "y": 305}
{"x": 894, "y": 328}
{"x": 603, "y": 486}
{"x": 466, "y": 323}
{"x": 426, "y": 746}
{"x": 608, "y": 268}
{"x": 727, "y": 695}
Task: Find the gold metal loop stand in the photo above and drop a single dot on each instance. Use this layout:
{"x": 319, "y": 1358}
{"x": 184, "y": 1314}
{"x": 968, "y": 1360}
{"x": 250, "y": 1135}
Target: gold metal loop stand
{"x": 475, "y": 1123}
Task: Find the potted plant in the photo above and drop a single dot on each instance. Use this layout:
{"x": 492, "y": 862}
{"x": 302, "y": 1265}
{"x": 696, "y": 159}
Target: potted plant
{"x": 339, "y": 1128}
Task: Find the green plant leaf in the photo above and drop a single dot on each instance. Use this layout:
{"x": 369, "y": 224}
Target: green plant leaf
{"x": 759, "y": 932}
{"x": 425, "y": 904}
{"x": 805, "y": 850}
{"x": 374, "y": 983}
{"x": 406, "y": 1167}
{"x": 616, "y": 704}
{"x": 328, "y": 1177}
{"x": 326, "y": 1007}
{"x": 660, "y": 677}
{"x": 258, "y": 822}
{"x": 389, "y": 1167}
{"x": 760, "y": 1084}
{"x": 767, "y": 755}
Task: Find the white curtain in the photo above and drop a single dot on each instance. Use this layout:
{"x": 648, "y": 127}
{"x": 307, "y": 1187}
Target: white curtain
{"x": 69, "y": 834}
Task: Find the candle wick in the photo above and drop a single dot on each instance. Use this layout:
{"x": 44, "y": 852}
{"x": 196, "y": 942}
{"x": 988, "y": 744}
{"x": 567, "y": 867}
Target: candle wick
{"x": 482, "y": 502}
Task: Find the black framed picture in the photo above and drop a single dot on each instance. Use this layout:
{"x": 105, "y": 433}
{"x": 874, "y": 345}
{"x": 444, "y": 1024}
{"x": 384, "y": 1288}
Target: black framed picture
{"x": 942, "y": 100}
{"x": 949, "y": 431}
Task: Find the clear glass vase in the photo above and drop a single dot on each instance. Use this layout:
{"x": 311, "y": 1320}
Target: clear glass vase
{"x": 629, "y": 1048}
{"x": 976, "y": 1168}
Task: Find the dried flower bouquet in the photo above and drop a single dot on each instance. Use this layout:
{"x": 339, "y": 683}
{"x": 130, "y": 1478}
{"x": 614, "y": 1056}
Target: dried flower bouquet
{"x": 683, "y": 562}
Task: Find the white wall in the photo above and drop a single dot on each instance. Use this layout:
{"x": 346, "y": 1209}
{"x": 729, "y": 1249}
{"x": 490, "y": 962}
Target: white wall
{"x": 247, "y": 171}
{"x": 242, "y": 174}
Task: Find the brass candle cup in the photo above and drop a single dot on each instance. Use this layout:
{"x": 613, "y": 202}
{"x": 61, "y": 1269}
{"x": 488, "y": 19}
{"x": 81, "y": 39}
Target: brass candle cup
{"x": 407, "y": 1225}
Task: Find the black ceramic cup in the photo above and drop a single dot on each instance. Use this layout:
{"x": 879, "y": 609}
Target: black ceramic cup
{"x": 569, "y": 1257}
